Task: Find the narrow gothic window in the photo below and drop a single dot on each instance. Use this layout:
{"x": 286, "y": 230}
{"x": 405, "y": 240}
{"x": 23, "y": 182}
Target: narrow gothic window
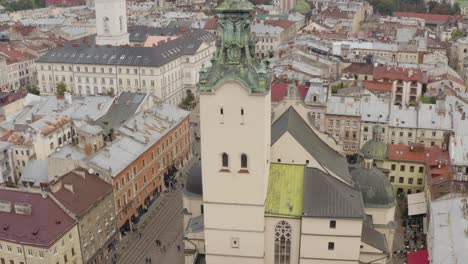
{"x": 244, "y": 161}
{"x": 225, "y": 160}
{"x": 121, "y": 24}
{"x": 106, "y": 24}
{"x": 283, "y": 235}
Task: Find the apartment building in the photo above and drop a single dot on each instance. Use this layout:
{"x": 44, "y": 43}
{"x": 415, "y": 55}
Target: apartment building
{"x": 21, "y": 70}
{"x": 407, "y": 169}
{"x": 374, "y": 112}
{"x": 343, "y": 122}
{"x": 36, "y": 230}
{"x": 159, "y": 140}
{"x": 6, "y": 171}
{"x": 40, "y": 139}
{"x": 90, "y": 200}
{"x": 434, "y": 125}
{"x": 402, "y": 126}
{"x": 165, "y": 71}
{"x": 407, "y": 83}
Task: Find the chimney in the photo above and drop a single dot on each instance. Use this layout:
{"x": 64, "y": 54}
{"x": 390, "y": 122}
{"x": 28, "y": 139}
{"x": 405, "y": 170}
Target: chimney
{"x": 44, "y": 195}
{"x": 82, "y": 173}
{"x": 23, "y": 208}
{"x": 56, "y": 186}
{"x": 5, "y": 206}
{"x": 68, "y": 186}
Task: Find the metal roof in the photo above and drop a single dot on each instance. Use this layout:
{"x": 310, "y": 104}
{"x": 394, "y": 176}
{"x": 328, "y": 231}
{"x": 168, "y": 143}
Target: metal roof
{"x": 186, "y": 44}
{"x": 290, "y": 121}
{"x": 285, "y": 191}
{"x": 326, "y": 196}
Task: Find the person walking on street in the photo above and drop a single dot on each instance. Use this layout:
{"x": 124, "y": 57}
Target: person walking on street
{"x": 139, "y": 233}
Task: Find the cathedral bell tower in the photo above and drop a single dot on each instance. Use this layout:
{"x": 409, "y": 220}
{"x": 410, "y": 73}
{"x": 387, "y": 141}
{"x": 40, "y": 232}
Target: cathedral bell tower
{"x": 111, "y": 22}
{"x": 235, "y": 123}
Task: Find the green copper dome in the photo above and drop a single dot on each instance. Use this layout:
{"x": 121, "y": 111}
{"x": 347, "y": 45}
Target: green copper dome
{"x": 235, "y": 58}
{"x": 376, "y": 190}
{"x": 373, "y": 149}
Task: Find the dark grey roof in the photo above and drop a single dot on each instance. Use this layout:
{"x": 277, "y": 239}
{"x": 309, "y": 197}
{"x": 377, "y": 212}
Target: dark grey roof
{"x": 136, "y": 34}
{"x": 376, "y": 190}
{"x": 196, "y": 224}
{"x": 373, "y": 238}
{"x": 186, "y": 44}
{"x": 194, "y": 179}
{"x": 327, "y": 196}
{"x": 123, "y": 108}
{"x": 290, "y": 121}
{"x": 141, "y": 33}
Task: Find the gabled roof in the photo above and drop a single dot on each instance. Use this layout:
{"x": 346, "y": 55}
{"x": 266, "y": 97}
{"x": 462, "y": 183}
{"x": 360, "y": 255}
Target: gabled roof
{"x": 85, "y": 192}
{"x": 290, "y": 121}
{"x": 46, "y": 223}
{"x": 285, "y": 191}
{"x": 374, "y": 238}
{"x": 326, "y": 196}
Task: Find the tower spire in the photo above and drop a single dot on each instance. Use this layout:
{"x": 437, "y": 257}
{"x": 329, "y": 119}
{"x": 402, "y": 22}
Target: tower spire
{"x": 235, "y": 57}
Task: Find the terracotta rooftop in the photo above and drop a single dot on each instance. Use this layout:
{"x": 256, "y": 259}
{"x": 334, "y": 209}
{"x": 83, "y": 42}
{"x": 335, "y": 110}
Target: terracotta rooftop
{"x": 436, "y": 160}
{"x": 282, "y": 23}
{"x": 10, "y": 97}
{"x": 80, "y": 191}
{"x": 398, "y": 73}
{"x": 378, "y": 86}
{"x": 278, "y": 91}
{"x": 360, "y": 68}
{"x": 44, "y": 224}
{"x": 212, "y": 23}
{"x": 435, "y": 18}
{"x": 23, "y": 30}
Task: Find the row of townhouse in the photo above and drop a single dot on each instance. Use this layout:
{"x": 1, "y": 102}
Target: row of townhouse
{"x": 57, "y": 224}
{"x": 165, "y": 71}
{"x": 98, "y": 132}
{"x": 128, "y": 147}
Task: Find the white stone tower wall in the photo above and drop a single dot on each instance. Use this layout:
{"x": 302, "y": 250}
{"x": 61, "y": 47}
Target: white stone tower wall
{"x": 234, "y": 202}
{"x": 111, "y": 22}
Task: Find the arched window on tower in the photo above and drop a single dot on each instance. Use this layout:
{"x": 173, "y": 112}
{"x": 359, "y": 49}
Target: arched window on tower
{"x": 225, "y": 160}
{"x": 106, "y": 24}
{"x": 283, "y": 234}
{"x": 244, "y": 161}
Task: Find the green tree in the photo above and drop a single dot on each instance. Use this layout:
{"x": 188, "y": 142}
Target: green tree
{"x": 301, "y": 7}
{"x": 61, "y": 88}
{"x": 33, "y": 89}
{"x": 188, "y": 101}
{"x": 457, "y": 33}
{"x": 386, "y": 7}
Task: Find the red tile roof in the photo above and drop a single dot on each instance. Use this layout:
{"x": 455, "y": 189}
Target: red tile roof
{"x": 398, "y": 73}
{"x": 278, "y": 91}
{"x": 10, "y": 97}
{"x": 437, "y": 161}
{"x": 378, "y": 86}
{"x": 283, "y": 23}
{"x": 87, "y": 190}
{"x": 46, "y": 224}
{"x": 360, "y": 68}
{"x": 435, "y": 18}
{"x": 302, "y": 88}
{"x": 418, "y": 257}
{"x": 13, "y": 53}
{"x": 212, "y": 23}
{"x": 23, "y": 30}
